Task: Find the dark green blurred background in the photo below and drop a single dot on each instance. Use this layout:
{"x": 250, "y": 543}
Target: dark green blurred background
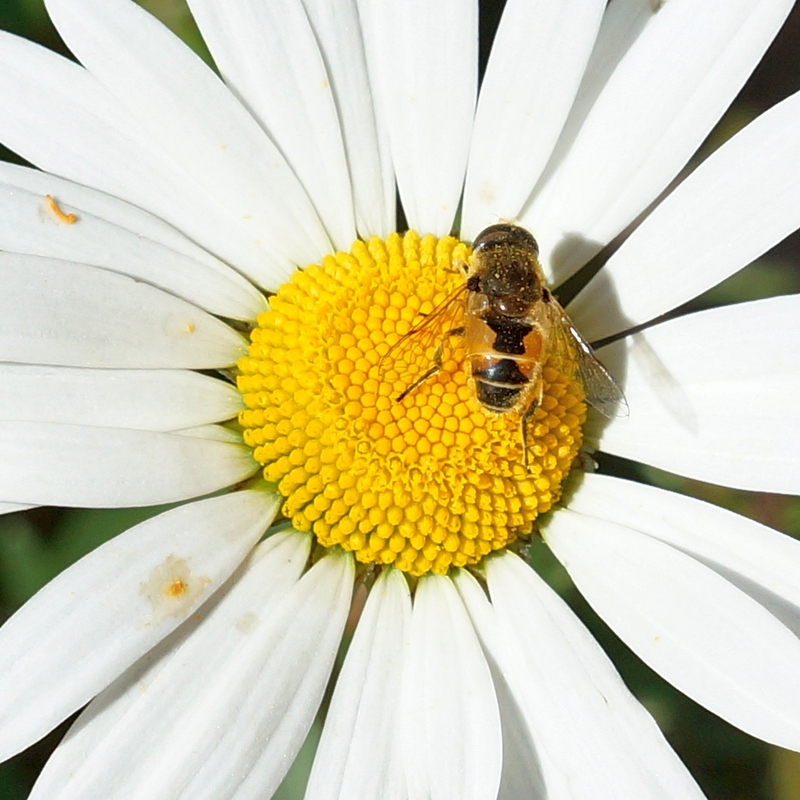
{"x": 728, "y": 764}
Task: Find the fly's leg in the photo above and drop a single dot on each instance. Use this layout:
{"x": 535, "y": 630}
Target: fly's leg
{"x": 463, "y": 266}
{"x": 523, "y": 432}
{"x": 429, "y": 373}
{"x": 435, "y": 367}
{"x": 523, "y": 423}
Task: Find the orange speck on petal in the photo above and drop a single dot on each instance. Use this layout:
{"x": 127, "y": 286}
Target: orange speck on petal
{"x": 68, "y": 219}
{"x": 175, "y": 589}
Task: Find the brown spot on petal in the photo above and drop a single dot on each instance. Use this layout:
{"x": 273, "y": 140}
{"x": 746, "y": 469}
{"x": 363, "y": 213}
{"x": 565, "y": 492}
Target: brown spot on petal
{"x": 247, "y": 622}
{"x": 172, "y": 589}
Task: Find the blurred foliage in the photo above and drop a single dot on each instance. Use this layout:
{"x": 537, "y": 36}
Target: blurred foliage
{"x": 729, "y": 765}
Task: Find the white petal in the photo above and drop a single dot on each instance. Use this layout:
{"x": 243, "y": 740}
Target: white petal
{"x": 594, "y": 740}
{"x": 217, "y": 433}
{"x": 58, "y": 312}
{"x": 243, "y": 691}
{"x": 338, "y": 30}
{"x": 12, "y": 508}
{"x": 697, "y": 630}
{"x": 423, "y": 63}
{"x": 157, "y": 400}
{"x": 84, "y": 628}
{"x": 89, "y": 467}
{"x": 113, "y": 234}
{"x": 357, "y": 756}
{"x": 740, "y": 202}
{"x": 713, "y": 396}
{"x": 190, "y": 113}
{"x": 91, "y": 138}
{"x": 522, "y": 772}
{"x": 762, "y": 562}
{"x": 536, "y": 64}
{"x": 658, "y": 96}
{"x": 268, "y": 55}
{"x": 128, "y": 720}
{"x": 450, "y": 723}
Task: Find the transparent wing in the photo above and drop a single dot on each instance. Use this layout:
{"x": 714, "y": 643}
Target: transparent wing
{"x": 602, "y": 391}
{"x": 415, "y": 355}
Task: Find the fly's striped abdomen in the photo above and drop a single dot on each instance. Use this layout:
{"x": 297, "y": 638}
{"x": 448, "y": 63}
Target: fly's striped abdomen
{"x": 498, "y": 382}
{"x": 504, "y": 355}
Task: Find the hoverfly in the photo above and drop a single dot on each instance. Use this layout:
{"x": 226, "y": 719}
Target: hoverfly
{"x": 511, "y": 325}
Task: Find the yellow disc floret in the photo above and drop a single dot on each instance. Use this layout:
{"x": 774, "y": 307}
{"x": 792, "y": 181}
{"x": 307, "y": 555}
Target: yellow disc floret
{"x": 425, "y": 483}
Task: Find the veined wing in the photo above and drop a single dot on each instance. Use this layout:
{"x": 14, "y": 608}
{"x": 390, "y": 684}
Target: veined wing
{"x": 414, "y": 354}
{"x": 601, "y": 390}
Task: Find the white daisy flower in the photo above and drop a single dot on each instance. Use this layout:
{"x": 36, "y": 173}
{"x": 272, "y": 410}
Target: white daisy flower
{"x": 135, "y": 264}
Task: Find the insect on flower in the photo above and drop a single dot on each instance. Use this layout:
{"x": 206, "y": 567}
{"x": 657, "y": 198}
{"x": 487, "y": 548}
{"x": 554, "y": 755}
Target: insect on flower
{"x": 511, "y": 324}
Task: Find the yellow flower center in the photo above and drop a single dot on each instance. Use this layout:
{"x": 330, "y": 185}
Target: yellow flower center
{"x": 427, "y": 482}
